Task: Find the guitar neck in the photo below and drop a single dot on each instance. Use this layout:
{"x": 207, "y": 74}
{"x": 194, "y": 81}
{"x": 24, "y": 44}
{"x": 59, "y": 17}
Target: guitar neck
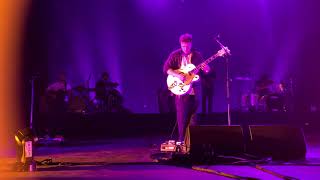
{"x": 206, "y": 62}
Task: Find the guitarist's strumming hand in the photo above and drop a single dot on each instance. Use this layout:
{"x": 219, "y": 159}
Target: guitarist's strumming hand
{"x": 177, "y": 74}
{"x": 181, "y": 76}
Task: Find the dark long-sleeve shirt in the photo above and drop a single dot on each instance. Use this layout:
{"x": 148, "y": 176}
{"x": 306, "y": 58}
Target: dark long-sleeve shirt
{"x": 175, "y": 58}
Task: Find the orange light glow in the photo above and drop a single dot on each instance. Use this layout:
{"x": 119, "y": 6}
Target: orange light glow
{"x": 12, "y": 19}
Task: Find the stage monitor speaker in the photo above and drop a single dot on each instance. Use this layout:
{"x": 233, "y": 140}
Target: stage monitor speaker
{"x": 277, "y": 141}
{"x": 209, "y": 141}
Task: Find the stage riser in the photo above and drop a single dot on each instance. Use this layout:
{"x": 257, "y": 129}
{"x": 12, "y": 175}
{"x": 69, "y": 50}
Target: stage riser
{"x": 78, "y": 125}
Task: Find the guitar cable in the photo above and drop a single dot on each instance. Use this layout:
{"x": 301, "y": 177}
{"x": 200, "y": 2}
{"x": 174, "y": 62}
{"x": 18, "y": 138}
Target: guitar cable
{"x": 174, "y": 127}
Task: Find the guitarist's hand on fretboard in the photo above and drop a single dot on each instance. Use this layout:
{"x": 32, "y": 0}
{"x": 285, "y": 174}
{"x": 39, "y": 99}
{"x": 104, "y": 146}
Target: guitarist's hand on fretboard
{"x": 205, "y": 68}
{"x": 223, "y": 52}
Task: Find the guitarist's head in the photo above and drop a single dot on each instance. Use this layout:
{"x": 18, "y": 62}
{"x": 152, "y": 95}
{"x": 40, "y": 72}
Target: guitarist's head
{"x": 186, "y": 43}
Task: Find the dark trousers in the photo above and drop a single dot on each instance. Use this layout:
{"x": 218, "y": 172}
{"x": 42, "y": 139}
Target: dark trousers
{"x": 207, "y": 100}
{"x": 186, "y": 107}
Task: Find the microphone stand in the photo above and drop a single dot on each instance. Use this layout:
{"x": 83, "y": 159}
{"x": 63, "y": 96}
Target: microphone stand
{"x": 228, "y": 91}
{"x": 32, "y": 101}
{"x": 227, "y": 79}
{"x": 88, "y": 80}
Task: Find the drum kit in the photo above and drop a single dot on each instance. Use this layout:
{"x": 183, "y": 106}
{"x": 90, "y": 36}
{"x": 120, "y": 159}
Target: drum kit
{"x": 82, "y": 102}
{"x": 266, "y": 96}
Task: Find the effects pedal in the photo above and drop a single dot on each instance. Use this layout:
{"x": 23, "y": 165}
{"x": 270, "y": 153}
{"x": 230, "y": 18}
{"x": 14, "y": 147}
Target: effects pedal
{"x": 173, "y": 146}
{"x": 168, "y": 146}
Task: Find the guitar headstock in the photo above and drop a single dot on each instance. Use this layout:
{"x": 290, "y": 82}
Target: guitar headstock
{"x": 224, "y": 51}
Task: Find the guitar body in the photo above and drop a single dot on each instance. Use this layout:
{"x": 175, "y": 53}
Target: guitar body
{"x": 178, "y": 87}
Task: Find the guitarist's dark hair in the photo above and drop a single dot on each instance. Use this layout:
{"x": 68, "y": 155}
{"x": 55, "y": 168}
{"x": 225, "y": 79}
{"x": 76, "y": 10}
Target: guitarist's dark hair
{"x": 185, "y": 38}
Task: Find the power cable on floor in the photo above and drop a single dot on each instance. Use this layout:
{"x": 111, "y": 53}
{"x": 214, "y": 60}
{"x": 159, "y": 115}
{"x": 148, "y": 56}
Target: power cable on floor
{"x": 220, "y": 173}
{"x": 274, "y": 173}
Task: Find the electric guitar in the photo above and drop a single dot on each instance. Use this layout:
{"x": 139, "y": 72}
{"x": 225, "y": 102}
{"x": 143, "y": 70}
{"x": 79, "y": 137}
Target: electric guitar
{"x": 189, "y": 72}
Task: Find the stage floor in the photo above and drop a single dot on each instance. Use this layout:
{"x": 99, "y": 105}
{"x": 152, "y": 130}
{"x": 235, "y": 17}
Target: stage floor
{"x": 129, "y": 158}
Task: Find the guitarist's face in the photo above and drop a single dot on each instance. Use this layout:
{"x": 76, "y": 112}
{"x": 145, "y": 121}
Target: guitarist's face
{"x": 186, "y": 47}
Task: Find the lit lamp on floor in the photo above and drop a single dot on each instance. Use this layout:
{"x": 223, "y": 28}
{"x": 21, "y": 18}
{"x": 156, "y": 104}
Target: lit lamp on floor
{"x": 24, "y": 144}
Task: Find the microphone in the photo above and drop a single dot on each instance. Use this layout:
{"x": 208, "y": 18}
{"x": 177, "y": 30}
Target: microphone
{"x": 217, "y": 37}
{"x": 221, "y": 45}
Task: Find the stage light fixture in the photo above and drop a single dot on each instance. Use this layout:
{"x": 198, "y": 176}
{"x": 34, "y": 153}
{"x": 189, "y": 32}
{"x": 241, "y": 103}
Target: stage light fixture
{"x": 24, "y": 143}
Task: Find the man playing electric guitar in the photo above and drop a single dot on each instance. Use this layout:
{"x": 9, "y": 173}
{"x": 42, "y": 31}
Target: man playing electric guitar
{"x": 181, "y": 72}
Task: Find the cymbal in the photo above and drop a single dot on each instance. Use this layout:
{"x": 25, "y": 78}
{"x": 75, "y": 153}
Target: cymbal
{"x": 79, "y": 88}
{"x": 111, "y": 84}
{"x": 243, "y": 78}
{"x": 266, "y": 82}
{"x": 82, "y": 89}
{"x": 91, "y": 89}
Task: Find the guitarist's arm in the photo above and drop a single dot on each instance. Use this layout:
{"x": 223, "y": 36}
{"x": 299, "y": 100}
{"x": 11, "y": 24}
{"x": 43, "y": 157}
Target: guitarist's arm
{"x": 176, "y": 74}
{"x": 171, "y": 64}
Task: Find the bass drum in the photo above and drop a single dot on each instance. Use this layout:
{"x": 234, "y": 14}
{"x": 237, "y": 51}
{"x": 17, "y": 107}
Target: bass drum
{"x": 77, "y": 104}
{"x": 275, "y": 103}
{"x": 249, "y": 102}
{"x": 112, "y": 102}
